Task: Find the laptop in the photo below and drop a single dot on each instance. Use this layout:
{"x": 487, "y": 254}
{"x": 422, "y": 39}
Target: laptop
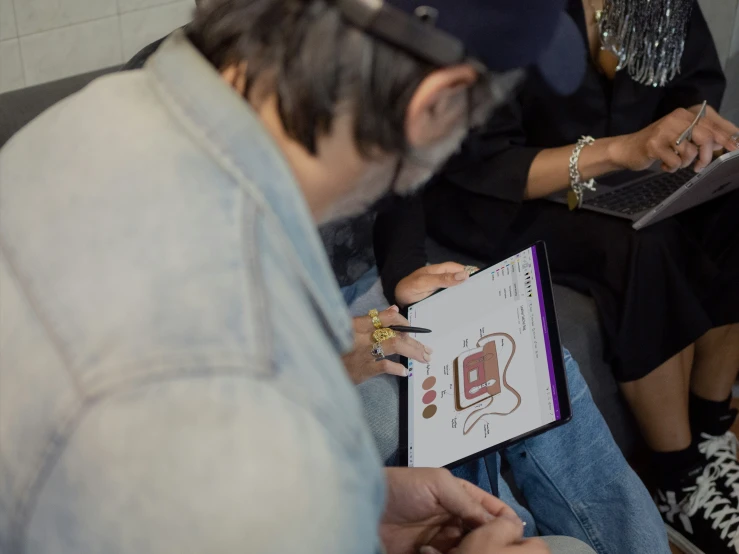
{"x": 646, "y": 197}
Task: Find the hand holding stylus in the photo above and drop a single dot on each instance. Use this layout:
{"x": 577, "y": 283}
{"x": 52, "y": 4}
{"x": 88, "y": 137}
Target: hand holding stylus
{"x": 362, "y": 365}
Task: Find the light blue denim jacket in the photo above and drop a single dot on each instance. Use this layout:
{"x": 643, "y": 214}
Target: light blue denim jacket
{"x": 170, "y": 333}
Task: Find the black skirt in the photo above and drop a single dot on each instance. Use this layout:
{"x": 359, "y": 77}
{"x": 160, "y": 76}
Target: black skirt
{"x": 657, "y": 290}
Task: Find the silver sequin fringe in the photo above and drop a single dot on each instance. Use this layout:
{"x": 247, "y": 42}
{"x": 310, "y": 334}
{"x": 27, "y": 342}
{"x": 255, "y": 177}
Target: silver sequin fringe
{"x": 648, "y": 36}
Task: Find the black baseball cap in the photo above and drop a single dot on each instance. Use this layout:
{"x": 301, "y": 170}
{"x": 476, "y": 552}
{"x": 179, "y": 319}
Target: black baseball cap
{"x": 500, "y": 34}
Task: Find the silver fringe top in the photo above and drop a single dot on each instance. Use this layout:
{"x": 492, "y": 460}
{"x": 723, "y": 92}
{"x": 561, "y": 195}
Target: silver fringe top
{"x": 647, "y": 36}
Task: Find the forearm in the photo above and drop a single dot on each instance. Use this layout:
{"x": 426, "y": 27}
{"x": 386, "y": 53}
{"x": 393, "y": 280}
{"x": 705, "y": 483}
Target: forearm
{"x": 550, "y": 170}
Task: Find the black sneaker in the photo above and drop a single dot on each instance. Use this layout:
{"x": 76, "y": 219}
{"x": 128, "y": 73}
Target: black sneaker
{"x": 699, "y": 518}
{"x": 721, "y": 452}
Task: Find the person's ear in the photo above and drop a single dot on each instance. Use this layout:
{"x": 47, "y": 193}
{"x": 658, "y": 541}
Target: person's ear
{"x": 438, "y": 104}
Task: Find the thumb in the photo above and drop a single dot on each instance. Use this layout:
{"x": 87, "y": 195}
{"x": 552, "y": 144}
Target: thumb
{"x": 436, "y": 281}
{"x": 457, "y": 501}
{"x": 499, "y": 533}
{"x": 446, "y": 267}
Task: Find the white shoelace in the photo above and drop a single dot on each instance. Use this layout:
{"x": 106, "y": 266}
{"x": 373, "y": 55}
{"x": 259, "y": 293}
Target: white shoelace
{"x": 721, "y": 451}
{"x": 705, "y": 496}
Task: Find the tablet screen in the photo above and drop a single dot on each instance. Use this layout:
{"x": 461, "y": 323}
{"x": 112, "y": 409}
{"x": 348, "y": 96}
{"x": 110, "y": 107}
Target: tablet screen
{"x": 493, "y": 373}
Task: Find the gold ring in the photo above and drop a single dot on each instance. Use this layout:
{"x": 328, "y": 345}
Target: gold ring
{"x": 375, "y": 319}
{"x": 381, "y": 335}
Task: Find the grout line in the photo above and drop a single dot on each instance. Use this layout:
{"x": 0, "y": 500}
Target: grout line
{"x": 68, "y": 25}
{"x": 120, "y": 35}
{"x": 20, "y": 47}
{"x": 167, "y": 3}
{"x": 15, "y": 19}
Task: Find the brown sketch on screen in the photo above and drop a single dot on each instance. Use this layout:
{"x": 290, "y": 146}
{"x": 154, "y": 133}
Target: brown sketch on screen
{"x": 477, "y": 378}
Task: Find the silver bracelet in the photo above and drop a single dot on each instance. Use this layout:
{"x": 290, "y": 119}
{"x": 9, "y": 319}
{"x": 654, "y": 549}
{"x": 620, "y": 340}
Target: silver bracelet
{"x": 577, "y": 186}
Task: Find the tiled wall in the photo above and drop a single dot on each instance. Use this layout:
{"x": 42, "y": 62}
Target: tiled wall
{"x": 723, "y": 18}
{"x": 44, "y": 40}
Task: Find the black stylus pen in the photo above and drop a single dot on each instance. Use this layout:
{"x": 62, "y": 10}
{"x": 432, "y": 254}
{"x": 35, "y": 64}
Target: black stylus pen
{"x": 406, "y": 329}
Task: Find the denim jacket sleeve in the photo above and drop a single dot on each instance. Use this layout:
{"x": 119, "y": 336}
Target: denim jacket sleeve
{"x": 190, "y": 466}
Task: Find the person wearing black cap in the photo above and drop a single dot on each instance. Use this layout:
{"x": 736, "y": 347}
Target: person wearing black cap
{"x": 171, "y": 330}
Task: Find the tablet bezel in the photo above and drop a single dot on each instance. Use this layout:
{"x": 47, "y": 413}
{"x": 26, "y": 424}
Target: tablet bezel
{"x": 555, "y": 345}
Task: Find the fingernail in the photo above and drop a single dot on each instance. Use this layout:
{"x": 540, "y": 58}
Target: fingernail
{"x": 405, "y": 372}
{"x": 428, "y": 550}
{"x": 514, "y": 518}
{"x": 461, "y": 276}
{"x": 488, "y": 517}
{"x": 394, "y": 308}
{"x": 428, "y": 349}
{"x": 426, "y": 357}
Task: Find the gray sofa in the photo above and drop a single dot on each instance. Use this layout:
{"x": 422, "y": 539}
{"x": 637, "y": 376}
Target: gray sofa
{"x": 576, "y": 313}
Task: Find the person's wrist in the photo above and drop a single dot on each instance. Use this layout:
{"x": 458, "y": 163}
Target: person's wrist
{"x": 615, "y": 150}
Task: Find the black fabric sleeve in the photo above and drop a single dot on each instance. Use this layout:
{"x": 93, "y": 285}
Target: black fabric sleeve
{"x": 495, "y": 159}
{"x": 400, "y": 242}
{"x": 701, "y": 77}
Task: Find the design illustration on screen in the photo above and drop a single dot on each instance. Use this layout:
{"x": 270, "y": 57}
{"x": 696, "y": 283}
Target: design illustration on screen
{"x": 477, "y": 378}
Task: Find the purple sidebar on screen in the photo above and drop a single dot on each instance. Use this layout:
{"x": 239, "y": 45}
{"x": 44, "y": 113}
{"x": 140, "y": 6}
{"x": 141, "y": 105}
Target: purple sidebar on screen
{"x": 542, "y": 309}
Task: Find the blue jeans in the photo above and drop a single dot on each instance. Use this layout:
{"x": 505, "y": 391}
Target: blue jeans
{"x": 577, "y": 483}
{"x": 574, "y": 478}
{"x": 360, "y": 286}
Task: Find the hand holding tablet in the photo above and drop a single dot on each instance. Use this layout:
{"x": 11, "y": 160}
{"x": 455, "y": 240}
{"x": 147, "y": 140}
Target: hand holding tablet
{"x": 497, "y": 374}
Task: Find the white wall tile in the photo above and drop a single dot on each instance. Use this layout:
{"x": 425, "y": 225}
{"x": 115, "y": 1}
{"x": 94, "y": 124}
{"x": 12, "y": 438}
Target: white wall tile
{"x": 11, "y": 69}
{"x": 735, "y": 41}
{"x": 34, "y": 16}
{"x": 132, "y": 5}
{"x": 721, "y": 16}
{"x": 71, "y": 50}
{"x": 142, "y": 27}
{"x": 7, "y": 20}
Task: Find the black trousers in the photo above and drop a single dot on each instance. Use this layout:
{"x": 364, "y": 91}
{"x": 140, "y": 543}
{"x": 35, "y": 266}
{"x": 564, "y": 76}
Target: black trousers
{"x": 657, "y": 290}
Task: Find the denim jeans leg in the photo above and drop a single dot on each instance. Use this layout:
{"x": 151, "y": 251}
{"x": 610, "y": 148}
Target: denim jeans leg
{"x": 578, "y": 484}
{"x": 360, "y": 286}
{"x": 476, "y": 473}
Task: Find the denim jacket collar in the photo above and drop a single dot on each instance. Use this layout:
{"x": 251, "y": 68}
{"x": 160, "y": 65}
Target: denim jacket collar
{"x": 228, "y": 129}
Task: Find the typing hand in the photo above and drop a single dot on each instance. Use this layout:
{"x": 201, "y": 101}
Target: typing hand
{"x": 656, "y": 142}
{"x": 713, "y": 117}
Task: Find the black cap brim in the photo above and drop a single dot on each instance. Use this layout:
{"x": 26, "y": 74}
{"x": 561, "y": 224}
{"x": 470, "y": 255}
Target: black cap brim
{"x": 562, "y": 63}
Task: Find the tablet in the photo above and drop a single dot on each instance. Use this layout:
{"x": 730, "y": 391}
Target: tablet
{"x": 496, "y": 374}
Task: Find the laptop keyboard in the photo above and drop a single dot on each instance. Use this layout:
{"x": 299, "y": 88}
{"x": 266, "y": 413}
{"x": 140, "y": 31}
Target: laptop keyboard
{"x": 642, "y": 196}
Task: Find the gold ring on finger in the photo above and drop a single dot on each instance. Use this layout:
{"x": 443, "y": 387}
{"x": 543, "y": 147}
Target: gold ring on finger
{"x": 381, "y": 335}
{"x": 375, "y": 319}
